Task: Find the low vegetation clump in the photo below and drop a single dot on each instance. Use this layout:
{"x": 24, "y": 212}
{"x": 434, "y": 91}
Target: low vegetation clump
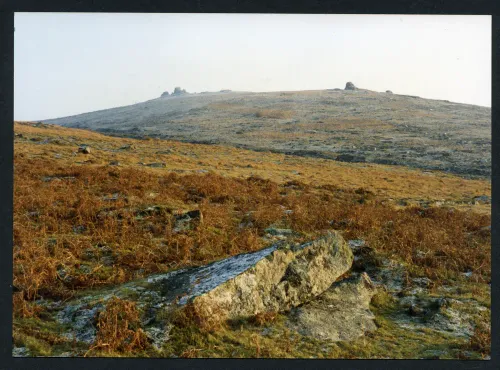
{"x": 118, "y": 328}
{"x": 264, "y": 318}
{"x": 481, "y": 340}
{"x": 190, "y": 315}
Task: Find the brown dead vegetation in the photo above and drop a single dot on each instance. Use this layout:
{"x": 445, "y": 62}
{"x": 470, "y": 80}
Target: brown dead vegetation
{"x": 264, "y": 318}
{"x": 118, "y": 328}
{"x": 93, "y": 224}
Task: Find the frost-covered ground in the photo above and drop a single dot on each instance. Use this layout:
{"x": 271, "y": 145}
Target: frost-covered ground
{"x": 350, "y": 126}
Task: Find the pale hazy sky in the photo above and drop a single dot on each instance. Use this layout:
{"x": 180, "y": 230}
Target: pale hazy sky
{"x": 70, "y": 63}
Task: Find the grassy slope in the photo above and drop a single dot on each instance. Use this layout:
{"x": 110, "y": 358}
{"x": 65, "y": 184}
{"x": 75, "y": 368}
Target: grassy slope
{"x": 354, "y": 196}
{"x": 388, "y": 181}
{"x": 381, "y": 128}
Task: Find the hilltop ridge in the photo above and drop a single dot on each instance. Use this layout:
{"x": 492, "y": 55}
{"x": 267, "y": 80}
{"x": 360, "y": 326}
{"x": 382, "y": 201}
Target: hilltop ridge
{"x": 345, "y": 125}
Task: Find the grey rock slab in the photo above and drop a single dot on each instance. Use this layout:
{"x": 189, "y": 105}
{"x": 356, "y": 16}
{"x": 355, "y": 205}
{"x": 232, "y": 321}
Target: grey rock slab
{"x": 341, "y": 313}
{"x": 286, "y": 279}
{"x": 20, "y": 352}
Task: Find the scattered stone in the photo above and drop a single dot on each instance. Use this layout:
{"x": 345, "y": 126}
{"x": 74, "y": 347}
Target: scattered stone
{"x": 153, "y": 210}
{"x": 20, "y": 352}
{"x": 422, "y": 282}
{"x": 245, "y": 224}
{"x": 266, "y": 331}
{"x": 389, "y": 274}
{"x": 355, "y": 244}
{"x": 195, "y": 214}
{"x": 85, "y": 149}
{"x": 388, "y": 91}
{"x": 179, "y": 91}
{"x": 79, "y": 229}
{"x": 63, "y": 274}
{"x": 158, "y": 336}
{"x": 127, "y": 147}
{"x": 114, "y": 163}
{"x": 34, "y": 214}
{"x": 415, "y": 310}
{"x": 350, "y": 86}
{"x": 85, "y": 269}
{"x": 51, "y": 246}
{"x": 450, "y": 316}
{"x": 89, "y": 255}
{"x": 111, "y": 198}
{"x": 434, "y": 354}
{"x": 365, "y": 257}
{"x": 467, "y": 274}
{"x": 184, "y": 221}
{"x": 482, "y": 199}
{"x": 279, "y": 232}
{"x": 157, "y": 165}
{"x": 107, "y": 260}
{"x": 164, "y": 94}
{"x": 51, "y": 178}
{"x": 82, "y": 321}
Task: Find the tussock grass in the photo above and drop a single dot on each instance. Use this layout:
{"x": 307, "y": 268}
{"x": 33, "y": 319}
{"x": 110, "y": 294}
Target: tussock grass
{"x": 118, "y": 328}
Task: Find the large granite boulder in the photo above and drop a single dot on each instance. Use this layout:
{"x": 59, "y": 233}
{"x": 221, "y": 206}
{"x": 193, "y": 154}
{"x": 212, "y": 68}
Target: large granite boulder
{"x": 274, "y": 279}
{"x": 179, "y": 91}
{"x": 286, "y": 278}
{"x": 350, "y": 86}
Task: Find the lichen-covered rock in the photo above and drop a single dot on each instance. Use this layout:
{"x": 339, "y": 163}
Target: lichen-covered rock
{"x": 273, "y": 279}
{"x": 350, "y": 86}
{"x": 340, "y": 313}
{"x": 285, "y": 279}
{"x": 85, "y": 149}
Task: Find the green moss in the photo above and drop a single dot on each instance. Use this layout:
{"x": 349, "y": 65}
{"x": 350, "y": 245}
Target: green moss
{"x": 242, "y": 339}
{"x": 129, "y": 293}
{"x": 43, "y": 337}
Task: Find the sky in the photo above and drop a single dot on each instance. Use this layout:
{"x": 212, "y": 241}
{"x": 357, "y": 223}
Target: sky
{"x": 71, "y": 63}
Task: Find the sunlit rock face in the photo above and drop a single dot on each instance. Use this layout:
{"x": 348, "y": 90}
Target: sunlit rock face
{"x": 283, "y": 279}
{"x": 341, "y": 313}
